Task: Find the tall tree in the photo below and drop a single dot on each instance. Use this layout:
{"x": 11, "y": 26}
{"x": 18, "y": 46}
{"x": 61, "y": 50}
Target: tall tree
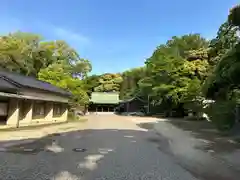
{"x": 223, "y": 56}
{"x": 226, "y": 39}
{"x": 109, "y": 83}
{"x": 51, "y": 61}
{"x": 58, "y": 75}
{"x": 21, "y": 52}
{"x": 27, "y": 54}
{"x": 175, "y": 65}
{"x": 130, "y": 84}
{"x": 234, "y": 16}
{"x": 91, "y": 82}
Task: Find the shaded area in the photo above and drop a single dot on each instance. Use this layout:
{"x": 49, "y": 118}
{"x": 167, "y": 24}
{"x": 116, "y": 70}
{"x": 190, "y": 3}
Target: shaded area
{"x": 137, "y": 114}
{"x": 192, "y": 152}
{"x": 204, "y": 130}
{"x": 143, "y": 113}
{"x": 148, "y": 126}
{"x": 33, "y": 146}
{"x": 111, "y": 154}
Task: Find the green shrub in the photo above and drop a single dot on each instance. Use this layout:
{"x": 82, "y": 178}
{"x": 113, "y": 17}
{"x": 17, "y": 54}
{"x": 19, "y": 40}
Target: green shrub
{"x": 222, "y": 114}
{"x": 72, "y": 116}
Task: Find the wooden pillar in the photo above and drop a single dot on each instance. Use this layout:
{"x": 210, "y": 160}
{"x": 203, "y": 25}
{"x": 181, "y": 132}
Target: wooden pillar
{"x": 13, "y": 113}
{"x": 64, "y": 116}
{"x": 49, "y": 111}
{"x": 29, "y": 109}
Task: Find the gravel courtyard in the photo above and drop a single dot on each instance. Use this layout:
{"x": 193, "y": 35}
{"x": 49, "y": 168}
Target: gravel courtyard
{"x": 108, "y": 147}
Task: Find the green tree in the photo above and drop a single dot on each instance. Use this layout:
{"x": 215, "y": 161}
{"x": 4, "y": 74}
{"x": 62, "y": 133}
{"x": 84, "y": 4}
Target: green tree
{"x": 226, "y": 39}
{"x": 21, "y": 52}
{"x": 91, "y": 82}
{"x": 234, "y": 16}
{"x": 175, "y": 65}
{"x": 130, "y": 83}
{"x": 51, "y": 61}
{"x": 57, "y": 75}
{"x": 27, "y": 54}
{"x": 223, "y": 56}
{"x": 109, "y": 83}
{"x": 223, "y": 83}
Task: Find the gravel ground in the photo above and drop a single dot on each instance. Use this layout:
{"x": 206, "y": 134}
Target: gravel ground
{"x": 200, "y": 155}
{"x": 112, "y": 147}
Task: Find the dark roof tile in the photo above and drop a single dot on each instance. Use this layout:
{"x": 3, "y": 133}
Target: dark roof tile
{"x": 6, "y": 86}
{"x": 31, "y": 82}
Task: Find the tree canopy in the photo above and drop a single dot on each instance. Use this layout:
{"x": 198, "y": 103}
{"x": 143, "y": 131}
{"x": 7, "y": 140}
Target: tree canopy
{"x": 190, "y": 69}
{"x": 185, "y": 70}
{"x": 51, "y": 61}
{"x": 108, "y": 83}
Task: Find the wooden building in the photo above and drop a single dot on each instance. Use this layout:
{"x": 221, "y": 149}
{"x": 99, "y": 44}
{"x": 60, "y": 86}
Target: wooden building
{"x": 25, "y": 100}
{"x": 132, "y": 105}
{"x": 103, "y": 102}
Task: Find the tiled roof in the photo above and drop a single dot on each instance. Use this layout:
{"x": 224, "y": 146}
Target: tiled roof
{"x": 6, "y": 86}
{"x": 105, "y": 98}
{"x": 29, "y": 82}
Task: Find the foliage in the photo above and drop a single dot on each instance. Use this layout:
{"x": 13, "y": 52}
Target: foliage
{"x": 23, "y": 53}
{"x": 108, "y": 83}
{"x": 180, "y": 73}
{"x": 176, "y": 68}
{"x": 223, "y": 82}
{"x": 72, "y": 116}
{"x": 57, "y": 75}
{"x": 130, "y": 82}
{"x": 91, "y": 82}
{"x": 234, "y": 16}
{"x": 224, "y": 52}
{"x": 225, "y": 40}
{"x": 51, "y": 61}
{"x": 222, "y": 114}
{"x": 225, "y": 76}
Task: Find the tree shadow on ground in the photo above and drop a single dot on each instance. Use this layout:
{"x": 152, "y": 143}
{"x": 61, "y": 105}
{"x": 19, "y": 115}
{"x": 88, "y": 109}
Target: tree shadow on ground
{"x": 221, "y": 141}
{"x": 206, "y": 132}
{"x": 101, "y": 153}
{"x": 89, "y": 153}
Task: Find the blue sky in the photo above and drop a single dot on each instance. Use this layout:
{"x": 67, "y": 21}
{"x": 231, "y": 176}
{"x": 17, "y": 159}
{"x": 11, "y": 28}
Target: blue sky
{"x": 114, "y": 35}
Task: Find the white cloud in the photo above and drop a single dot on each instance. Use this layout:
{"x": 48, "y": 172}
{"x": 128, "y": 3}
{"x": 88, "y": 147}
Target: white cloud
{"x": 49, "y": 31}
{"x": 66, "y": 34}
{"x": 53, "y": 32}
